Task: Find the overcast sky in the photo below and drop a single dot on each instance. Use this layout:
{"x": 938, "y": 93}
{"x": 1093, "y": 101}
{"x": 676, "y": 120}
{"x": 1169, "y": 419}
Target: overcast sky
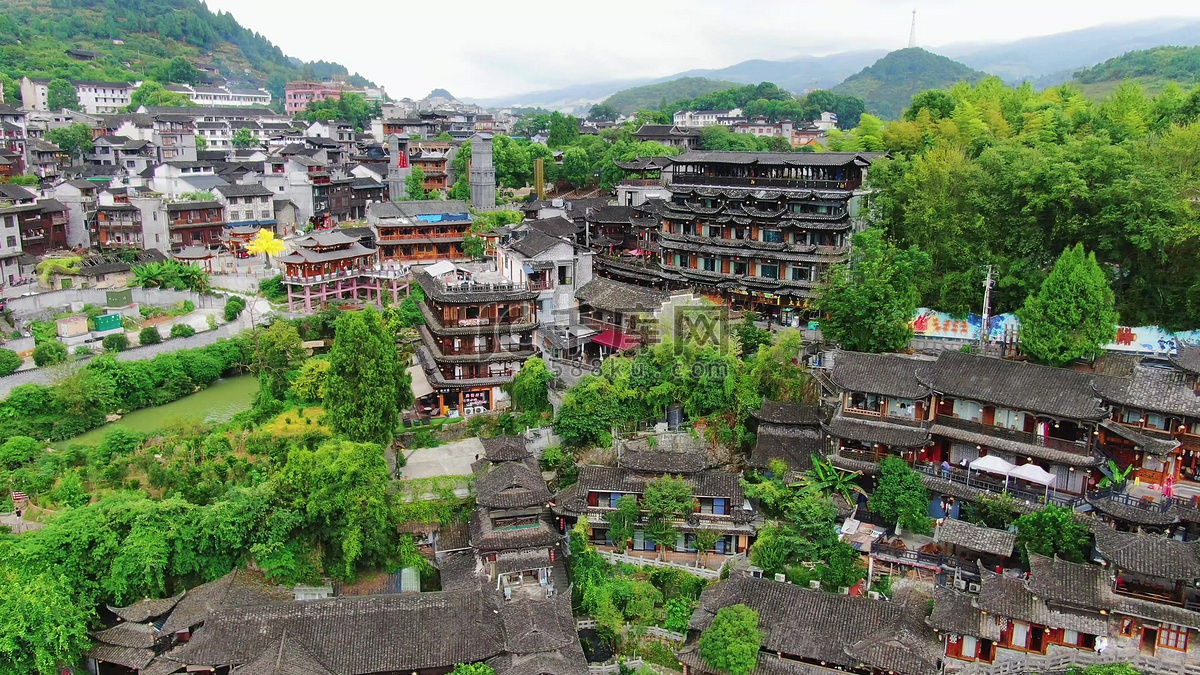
{"x": 501, "y": 47}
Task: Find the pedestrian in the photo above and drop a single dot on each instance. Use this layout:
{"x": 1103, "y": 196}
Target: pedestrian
{"x": 945, "y": 469}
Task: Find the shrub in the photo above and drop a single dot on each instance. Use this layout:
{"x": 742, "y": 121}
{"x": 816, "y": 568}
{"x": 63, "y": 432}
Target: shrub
{"x": 83, "y": 350}
{"x": 117, "y": 342}
{"x": 149, "y": 336}
{"x": 182, "y": 330}
{"x": 273, "y": 289}
{"x": 233, "y": 307}
{"x": 49, "y": 353}
{"x": 9, "y": 362}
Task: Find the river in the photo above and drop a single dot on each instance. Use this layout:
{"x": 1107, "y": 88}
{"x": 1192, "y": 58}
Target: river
{"x": 218, "y": 403}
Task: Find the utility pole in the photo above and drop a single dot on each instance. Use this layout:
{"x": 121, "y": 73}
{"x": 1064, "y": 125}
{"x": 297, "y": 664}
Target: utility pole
{"x": 987, "y": 300}
{"x": 912, "y": 32}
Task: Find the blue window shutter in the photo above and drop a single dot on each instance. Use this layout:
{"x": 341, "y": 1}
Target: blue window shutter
{"x": 719, "y": 506}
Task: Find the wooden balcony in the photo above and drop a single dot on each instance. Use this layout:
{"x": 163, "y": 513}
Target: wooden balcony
{"x": 1075, "y": 447}
{"x": 795, "y": 183}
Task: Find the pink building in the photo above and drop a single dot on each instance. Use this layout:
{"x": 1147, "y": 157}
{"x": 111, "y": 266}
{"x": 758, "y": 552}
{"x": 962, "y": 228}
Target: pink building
{"x": 297, "y": 95}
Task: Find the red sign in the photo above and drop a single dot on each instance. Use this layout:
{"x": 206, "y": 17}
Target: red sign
{"x": 402, "y": 159}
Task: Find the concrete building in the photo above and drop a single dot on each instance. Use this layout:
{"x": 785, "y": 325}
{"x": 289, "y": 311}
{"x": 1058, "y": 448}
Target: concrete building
{"x": 482, "y": 173}
{"x": 224, "y": 95}
{"x": 297, "y": 95}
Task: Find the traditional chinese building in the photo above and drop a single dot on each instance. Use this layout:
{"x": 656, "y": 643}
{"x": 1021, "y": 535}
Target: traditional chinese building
{"x": 420, "y": 231}
{"x": 328, "y": 265}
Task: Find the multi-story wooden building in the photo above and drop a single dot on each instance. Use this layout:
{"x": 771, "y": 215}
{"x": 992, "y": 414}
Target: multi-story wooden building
{"x": 477, "y": 333}
{"x": 42, "y": 223}
{"x": 329, "y": 265}
{"x": 195, "y": 223}
{"x": 420, "y": 231}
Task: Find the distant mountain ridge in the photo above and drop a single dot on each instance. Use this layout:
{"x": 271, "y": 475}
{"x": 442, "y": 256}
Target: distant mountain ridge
{"x": 631, "y": 100}
{"x": 888, "y": 85}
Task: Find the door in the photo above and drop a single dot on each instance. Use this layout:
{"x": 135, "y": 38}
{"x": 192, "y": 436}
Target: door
{"x": 1149, "y": 640}
{"x": 1037, "y": 639}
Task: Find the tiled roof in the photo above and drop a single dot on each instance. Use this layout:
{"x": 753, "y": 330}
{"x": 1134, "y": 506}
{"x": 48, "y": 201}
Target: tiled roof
{"x": 1121, "y": 510}
{"x": 778, "y": 158}
{"x": 129, "y": 634}
{"x": 874, "y": 431}
{"x": 1187, "y": 357}
{"x": 786, "y": 412}
{"x": 236, "y": 589}
{"x": 1009, "y": 597}
{"x": 557, "y": 226}
{"x": 1057, "y": 392}
{"x": 452, "y": 537}
{"x": 1151, "y": 388}
{"x": 664, "y": 461}
{"x": 239, "y": 190}
{"x": 357, "y": 635}
{"x": 504, "y": 448}
{"x": 1142, "y": 440}
{"x": 711, "y": 483}
{"x": 535, "y": 243}
{"x": 794, "y": 445}
{"x": 955, "y": 612}
{"x": 999, "y": 440}
{"x": 1068, "y": 583}
{"x": 885, "y": 374}
{"x": 285, "y": 657}
{"x": 145, "y": 608}
{"x": 1150, "y": 554}
{"x": 510, "y": 485}
{"x": 130, "y": 657}
{"x": 486, "y": 538}
{"x": 412, "y": 209}
{"x": 539, "y": 625}
{"x": 976, "y": 538}
{"x": 616, "y": 296}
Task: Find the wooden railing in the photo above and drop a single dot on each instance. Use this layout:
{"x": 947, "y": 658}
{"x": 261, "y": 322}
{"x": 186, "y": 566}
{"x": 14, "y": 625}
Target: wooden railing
{"x": 1075, "y": 447}
{"x": 795, "y": 183}
{"x": 980, "y": 481}
{"x": 702, "y": 572}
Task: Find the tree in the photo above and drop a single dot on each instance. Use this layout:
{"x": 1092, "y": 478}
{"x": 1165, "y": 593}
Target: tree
{"x": 277, "y": 350}
{"x": 1072, "y": 315}
{"x": 182, "y": 330}
{"x": 149, "y": 336}
{"x": 603, "y": 111}
{"x": 178, "y": 69}
{"x": 473, "y": 246}
{"x": 152, "y": 93}
{"x": 19, "y": 450}
{"x": 360, "y": 396}
{"x": 312, "y": 381}
{"x": 1053, "y": 531}
{"x": 704, "y": 540}
{"x": 576, "y": 169}
{"x": 43, "y": 624}
{"x": 868, "y": 304}
{"x": 233, "y": 307}
{"x": 117, "y": 342}
{"x": 244, "y": 138}
{"x": 732, "y": 641}
{"x": 265, "y": 243}
{"x": 414, "y": 184}
{"x": 900, "y": 497}
{"x": 750, "y": 335}
{"x": 49, "y": 353}
{"x": 530, "y": 388}
{"x": 61, "y": 94}
{"x": 828, "y": 480}
{"x": 75, "y": 139}
{"x": 622, "y": 521}
{"x": 564, "y": 129}
{"x": 473, "y": 669}
{"x": 666, "y": 500}
{"x": 9, "y": 362}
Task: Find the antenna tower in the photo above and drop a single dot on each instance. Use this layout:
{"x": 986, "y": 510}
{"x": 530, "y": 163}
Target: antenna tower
{"x": 912, "y": 32}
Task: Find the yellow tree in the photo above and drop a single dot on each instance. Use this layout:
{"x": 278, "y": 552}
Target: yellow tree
{"x": 265, "y": 243}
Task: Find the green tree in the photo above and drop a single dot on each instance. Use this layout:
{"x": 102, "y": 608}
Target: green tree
{"x": 1053, "y": 531}
{"x": 900, "y": 497}
{"x": 732, "y": 641}
{"x": 244, "y": 138}
{"x": 868, "y": 304}
{"x": 178, "y": 69}
{"x": 117, "y": 342}
{"x": 473, "y": 669}
{"x": 75, "y": 139}
{"x": 603, "y": 111}
{"x": 19, "y": 450}
{"x": 9, "y": 362}
{"x": 564, "y": 129}
{"x": 623, "y": 520}
{"x": 43, "y": 623}
{"x": 276, "y": 351}
{"x": 750, "y": 335}
{"x": 473, "y": 246}
{"x": 151, "y": 93}
{"x": 311, "y": 384}
{"x": 360, "y": 396}
{"x": 414, "y": 184}
{"x": 665, "y": 501}
{"x": 149, "y": 336}
{"x": 530, "y": 387}
{"x": 1072, "y": 315}
{"x": 704, "y": 540}
{"x": 61, "y": 94}
{"x": 49, "y": 353}
{"x": 576, "y": 169}
{"x": 828, "y": 480}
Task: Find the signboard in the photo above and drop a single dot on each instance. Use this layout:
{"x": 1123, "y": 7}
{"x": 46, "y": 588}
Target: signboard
{"x": 108, "y": 322}
{"x": 121, "y": 298}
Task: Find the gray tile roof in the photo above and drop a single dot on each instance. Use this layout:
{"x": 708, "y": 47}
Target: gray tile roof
{"x": 874, "y": 431}
{"x": 1068, "y": 583}
{"x": 236, "y": 589}
{"x": 357, "y": 635}
{"x": 1150, "y": 554}
{"x": 510, "y": 485}
{"x": 130, "y": 657}
{"x": 616, "y": 296}
{"x": 425, "y": 207}
{"x": 976, "y": 538}
{"x": 557, "y": 226}
{"x": 996, "y": 438}
{"x": 1187, "y": 357}
{"x": 955, "y": 613}
{"x": 664, "y": 461}
{"x": 129, "y": 634}
{"x": 145, "y": 608}
{"x": 285, "y": 657}
{"x": 779, "y": 158}
{"x": 786, "y": 412}
{"x": 1010, "y": 598}
{"x": 1150, "y": 388}
{"x": 1141, "y": 439}
{"x": 504, "y": 448}
{"x": 484, "y": 537}
{"x": 794, "y": 445}
{"x": 240, "y": 190}
{"x": 535, "y": 243}
{"x": 1057, "y": 392}
{"x": 884, "y": 374}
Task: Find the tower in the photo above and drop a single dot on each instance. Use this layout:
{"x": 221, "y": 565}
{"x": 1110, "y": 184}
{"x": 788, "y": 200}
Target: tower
{"x": 398, "y": 168}
{"x": 482, "y": 174}
{"x": 912, "y": 32}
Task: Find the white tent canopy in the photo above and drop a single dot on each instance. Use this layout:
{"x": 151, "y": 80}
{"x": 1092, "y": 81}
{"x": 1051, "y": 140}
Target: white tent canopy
{"x": 440, "y": 268}
{"x": 420, "y": 383}
{"x": 1034, "y": 474}
{"x": 992, "y": 464}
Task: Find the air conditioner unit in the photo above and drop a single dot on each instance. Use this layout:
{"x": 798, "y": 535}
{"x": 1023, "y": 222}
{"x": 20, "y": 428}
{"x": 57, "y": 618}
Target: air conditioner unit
{"x": 815, "y": 585}
{"x": 756, "y": 572}
{"x": 960, "y": 584}
{"x": 780, "y": 576}
{"x": 874, "y": 595}
{"x": 973, "y": 587}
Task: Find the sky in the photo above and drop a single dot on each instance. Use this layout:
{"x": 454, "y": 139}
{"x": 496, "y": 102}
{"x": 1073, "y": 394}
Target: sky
{"x": 504, "y": 47}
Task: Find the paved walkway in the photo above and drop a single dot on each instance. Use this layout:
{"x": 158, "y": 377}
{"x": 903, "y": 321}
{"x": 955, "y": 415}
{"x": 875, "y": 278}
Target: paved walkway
{"x": 49, "y": 375}
{"x": 450, "y": 459}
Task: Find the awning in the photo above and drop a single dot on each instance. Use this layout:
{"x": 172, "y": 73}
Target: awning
{"x": 1033, "y": 473}
{"x": 617, "y": 340}
{"x": 420, "y": 383}
{"x": 992, "y": 464}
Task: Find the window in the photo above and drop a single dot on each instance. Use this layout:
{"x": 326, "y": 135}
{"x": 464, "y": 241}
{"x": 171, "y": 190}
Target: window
{"x": 1173, "y": 637}
{"x": 1020, "y": 634}
{"x": 1070, "y": 637}
{"x": 1131, "y": 417}
{"x": 1155, "y": 421}
{"x": 612, "y": 499}
{"x": 1010, "y": 419}
{"x": 772, "y": 236}
{"x": 769, "y": 271}
{"x": 867, "y": 402}
{"x": 903, "y": 408}
{"x": 801, "y": 274}
{"x": 719, "y": 506}
{"x": 967, "y": 410}
{"x": 969, "y": 645}
{"x": 710, "y": 264}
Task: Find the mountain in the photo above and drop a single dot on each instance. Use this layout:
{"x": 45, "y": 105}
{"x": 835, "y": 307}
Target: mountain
{"x": 132, "y": 38}
{"x": 798, "y": 74}
{"x": 573, "y": 99}
{"x": 440, "y": 93}
{"x": 1050, "y": 59}
{"x": 652, "y": 95}
{"x": 889, "y": 85}
{"x": 1150, "y": 68}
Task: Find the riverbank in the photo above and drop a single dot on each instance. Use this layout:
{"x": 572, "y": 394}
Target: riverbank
{"x": 218, "y": 402}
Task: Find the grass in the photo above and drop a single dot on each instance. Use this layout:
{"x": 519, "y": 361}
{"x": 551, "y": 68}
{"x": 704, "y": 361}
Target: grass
{"x": 293, "y": 422}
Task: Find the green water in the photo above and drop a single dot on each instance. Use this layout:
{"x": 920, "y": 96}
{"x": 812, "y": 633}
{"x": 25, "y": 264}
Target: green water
{"x": 218, "y": 403}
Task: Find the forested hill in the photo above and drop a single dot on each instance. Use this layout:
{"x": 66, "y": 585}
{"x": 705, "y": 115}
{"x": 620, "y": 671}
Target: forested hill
{"x": 652, "y": 96}
{"x": 1150, "y": 68}
{"x": 134, "y": 37}
{"x": 889, "y": 84}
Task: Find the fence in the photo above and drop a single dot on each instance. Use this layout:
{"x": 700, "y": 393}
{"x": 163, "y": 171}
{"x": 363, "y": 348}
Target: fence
{"x": 702, "y": 572}
{"x": 1061, "y": 663}
{"x": 28, "y": 306}
{"x": 652, "y": 631}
